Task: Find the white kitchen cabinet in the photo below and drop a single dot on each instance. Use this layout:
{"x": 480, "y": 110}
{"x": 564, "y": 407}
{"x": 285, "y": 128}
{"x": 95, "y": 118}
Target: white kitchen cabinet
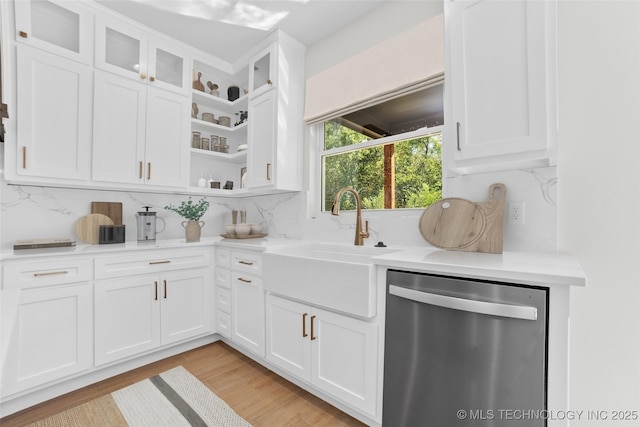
{"x": 150, "y": 299}
{"x": 240, "y": 298}
{"x": 129, "y": 51}
{"x": 47, "y": 322}
{"x": 261, "y": 163}
{"x": 247, "y": 296}
{"x": 335, "y": 353}
{"x": 60, "y": 27}
{"x": 141, "y": 313}
{"x": 53, "y": 116}
{"x": 500, "y": 83}
{"x": 140, "y": 133}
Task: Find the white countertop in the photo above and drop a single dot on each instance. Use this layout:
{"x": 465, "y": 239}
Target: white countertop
{"x": 519, "y": 267}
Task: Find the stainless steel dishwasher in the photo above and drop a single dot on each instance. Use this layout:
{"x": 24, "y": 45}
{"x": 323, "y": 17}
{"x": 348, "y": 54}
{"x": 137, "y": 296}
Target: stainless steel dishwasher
{"x": 464, "y": 352}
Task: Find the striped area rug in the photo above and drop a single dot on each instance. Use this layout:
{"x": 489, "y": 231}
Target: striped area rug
{"x": 174, "y": 398}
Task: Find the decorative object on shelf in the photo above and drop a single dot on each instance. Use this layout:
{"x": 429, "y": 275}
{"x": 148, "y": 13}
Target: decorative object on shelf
{"x": 204, "y": 143}
{"x": 215, "y": 143}
{"x": 224, "y": 121}
{"x": 208, "y": 117}
{"x": 215, "y": 184}
{"x": 213, "y": 89}
{"x": 202, "y": 181}
{"x": 242, "y": 117}
{"x": 233, "y": 93}
{"x": 197, "y": 84}
{"x": 192, "y": 212}
{"x": 195, "y": 139}
{"x": 194, "y": 110}
{"x": 228, "y": 185}
{"x": 243, "y": 177}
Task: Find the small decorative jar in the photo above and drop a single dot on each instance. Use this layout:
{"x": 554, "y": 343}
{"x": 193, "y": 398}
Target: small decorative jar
{"x": 204, "y": 143}
{"x": 195, "y": 139}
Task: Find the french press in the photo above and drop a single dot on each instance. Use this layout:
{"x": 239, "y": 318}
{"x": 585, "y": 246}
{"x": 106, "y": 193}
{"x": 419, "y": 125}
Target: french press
{"x": 147, "y": 224}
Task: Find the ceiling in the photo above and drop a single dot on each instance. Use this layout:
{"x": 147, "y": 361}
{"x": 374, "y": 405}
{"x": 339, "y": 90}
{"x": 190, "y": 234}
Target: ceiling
{"x": 229, "y": 28}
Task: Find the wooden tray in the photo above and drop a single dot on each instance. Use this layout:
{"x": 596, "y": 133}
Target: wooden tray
{"x": 244, "y": 236}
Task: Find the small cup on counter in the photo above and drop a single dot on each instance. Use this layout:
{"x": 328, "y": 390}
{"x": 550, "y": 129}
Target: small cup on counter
{"x": 243, "y": 229}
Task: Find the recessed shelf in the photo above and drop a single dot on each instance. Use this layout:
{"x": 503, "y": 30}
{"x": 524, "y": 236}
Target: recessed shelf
{"x": 208, "y": 99}
{"x": 201, "y": 124}
{"x": 237, "y": 157}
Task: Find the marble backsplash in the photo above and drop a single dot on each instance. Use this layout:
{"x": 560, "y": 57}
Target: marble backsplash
{"x": 43, "y": 212}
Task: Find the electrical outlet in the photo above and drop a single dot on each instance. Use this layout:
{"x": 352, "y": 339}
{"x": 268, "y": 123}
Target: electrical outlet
{"x": 516, "y": 213}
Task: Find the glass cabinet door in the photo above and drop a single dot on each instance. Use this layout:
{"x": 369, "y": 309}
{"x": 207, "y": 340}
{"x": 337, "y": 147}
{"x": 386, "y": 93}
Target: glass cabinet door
{"x": 168, "y": 67}
{"x": 121, "y": 49}
{"x": 63, "y": 28}
{"x": 262, "y": 71}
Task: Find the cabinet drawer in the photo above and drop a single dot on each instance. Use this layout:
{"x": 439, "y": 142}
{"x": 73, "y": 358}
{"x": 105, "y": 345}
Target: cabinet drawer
{"x": 223, "y": 278}
{"x": 223, "y": 324}
{"x": 29, "y": 274}
{"x": 223, "y": 299}
{"x": 247, "y": 261}
{"x": 240, "y": 279}
{"x": 149, "y": 262}
{"x": 223, "y": 258}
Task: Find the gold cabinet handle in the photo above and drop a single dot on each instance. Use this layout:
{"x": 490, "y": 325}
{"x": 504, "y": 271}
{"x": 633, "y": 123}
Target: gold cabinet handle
{"x": 24, "y": 157}
{"x": 140, "y": 170}
{"x": 23, "y": 34}
{"x": 240, "y": 279}
{"x": 165, "y": 289}
{"x": 268, "y": 171}
{"x": 312, "y": 336}
{"x": 148, "y": 171}
{"x": 152, "y": 79}
{"x": 159, "y": 262}
{"x": 50, "y": 273}
{"x": 245, "y": 262}
{"x": 269, "y": 82}
{"x": 156, "y": 286}
{"x": 143, "y": 76}
{"x": 304, "y": 326}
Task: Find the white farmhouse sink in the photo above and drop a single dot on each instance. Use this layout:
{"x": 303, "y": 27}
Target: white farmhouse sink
{"x": 338, "y": 277}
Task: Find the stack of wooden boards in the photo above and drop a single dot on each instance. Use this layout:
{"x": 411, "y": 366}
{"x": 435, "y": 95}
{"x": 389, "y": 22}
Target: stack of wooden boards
{"x": 459, "y": 224}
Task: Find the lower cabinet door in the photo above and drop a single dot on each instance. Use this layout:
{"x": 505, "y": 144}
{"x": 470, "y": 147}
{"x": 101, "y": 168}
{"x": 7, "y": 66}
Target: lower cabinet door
{"x": 247, "y": 311}
{"x": 185, "y": 304}
{"x": 344, "y": 358}
{"x": 288, "y": 336}
{"x": 127, "y": 317}
{"x": 49, "y": 336}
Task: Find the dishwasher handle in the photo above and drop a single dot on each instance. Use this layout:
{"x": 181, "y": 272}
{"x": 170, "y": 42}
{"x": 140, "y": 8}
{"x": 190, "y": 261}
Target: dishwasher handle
{"x": 482, "y": 307}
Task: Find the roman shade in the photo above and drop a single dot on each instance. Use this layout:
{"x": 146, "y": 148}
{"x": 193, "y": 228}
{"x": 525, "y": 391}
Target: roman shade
{"x": 408, "y": 62}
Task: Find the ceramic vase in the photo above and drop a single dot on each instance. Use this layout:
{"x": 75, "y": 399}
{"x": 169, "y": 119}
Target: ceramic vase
{"x": 192, "y": 230}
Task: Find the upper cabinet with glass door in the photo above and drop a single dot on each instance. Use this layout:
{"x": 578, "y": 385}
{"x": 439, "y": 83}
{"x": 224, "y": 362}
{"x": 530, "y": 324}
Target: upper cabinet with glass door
{"x": 60, "y": 27}
{"x": 263, "y": 70}
{"x": 128, "y": 51}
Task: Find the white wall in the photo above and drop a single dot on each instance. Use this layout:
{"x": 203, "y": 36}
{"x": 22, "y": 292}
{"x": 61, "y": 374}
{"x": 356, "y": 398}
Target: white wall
{"x": 599, "y": 198}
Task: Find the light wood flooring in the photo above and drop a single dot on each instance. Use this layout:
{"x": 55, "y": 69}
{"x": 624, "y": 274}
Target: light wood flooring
{"x": 255, "y": 393}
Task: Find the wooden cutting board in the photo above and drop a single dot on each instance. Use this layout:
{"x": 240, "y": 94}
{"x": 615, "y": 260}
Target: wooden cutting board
{"x": 88, "y": 227}
{"x": 111, "y": 209}
{"x": 460, "y": 224}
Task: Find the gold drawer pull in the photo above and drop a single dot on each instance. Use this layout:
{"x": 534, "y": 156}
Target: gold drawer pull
{"x": 50, "y": 273}
{"x": 23, "y": 34}
{"x": 156, "y": 285}
{"x": 244, "y": 280}
{"x": 245, "y": 262}
{"x": 140, "y": 170}
{"x": 304, "y": 326}
{"x": 24, "y": 157}
{"x": 165, "y": 289}
{"x": 159, "y": 262}
{"x": 312, "y": 336}
{"x": 148, "y": 171}
{"x": 268, "y": 171}
{"x": 152, "y": 79}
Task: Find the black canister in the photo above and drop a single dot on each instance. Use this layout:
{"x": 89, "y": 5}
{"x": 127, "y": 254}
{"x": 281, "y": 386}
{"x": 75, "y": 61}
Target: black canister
{"x": 233, "y": 93}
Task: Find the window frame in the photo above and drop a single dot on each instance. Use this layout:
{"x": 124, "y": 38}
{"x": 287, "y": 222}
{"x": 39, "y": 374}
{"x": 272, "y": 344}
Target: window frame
{"x": 316, "y": 175}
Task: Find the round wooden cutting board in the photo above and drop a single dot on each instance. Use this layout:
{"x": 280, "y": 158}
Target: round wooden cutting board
{"x": 452, "y": 223}
{"x": 88, "y": 227}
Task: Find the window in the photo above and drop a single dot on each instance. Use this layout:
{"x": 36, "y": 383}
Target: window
{"x": 391, "y": 153}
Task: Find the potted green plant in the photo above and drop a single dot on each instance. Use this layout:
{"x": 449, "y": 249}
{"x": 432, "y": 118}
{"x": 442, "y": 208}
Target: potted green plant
{"x": 192, "y": 212}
